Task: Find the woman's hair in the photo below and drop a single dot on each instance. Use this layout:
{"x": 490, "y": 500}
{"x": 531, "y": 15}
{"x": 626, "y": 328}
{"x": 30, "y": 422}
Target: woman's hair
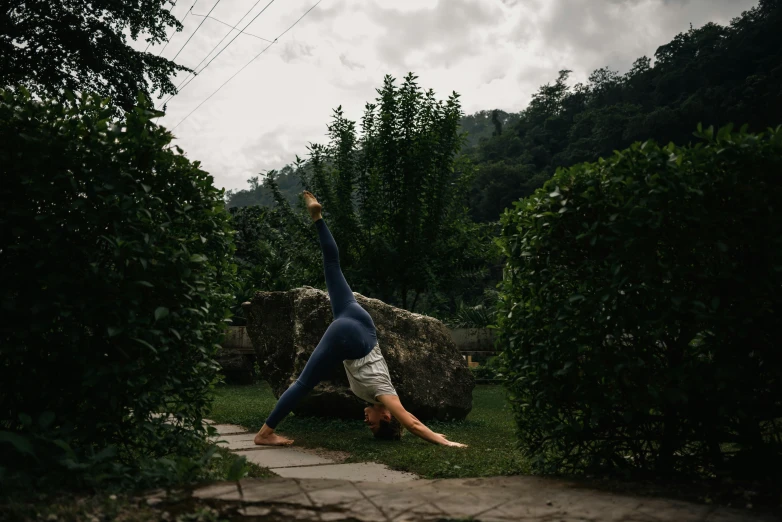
{"x": 389, "y": 430}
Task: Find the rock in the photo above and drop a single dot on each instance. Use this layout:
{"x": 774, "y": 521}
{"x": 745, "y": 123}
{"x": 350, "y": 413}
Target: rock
{"x": 429, "y": 374}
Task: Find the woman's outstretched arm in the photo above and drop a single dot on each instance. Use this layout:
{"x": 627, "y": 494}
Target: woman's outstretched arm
{"x": 412, "y": 424}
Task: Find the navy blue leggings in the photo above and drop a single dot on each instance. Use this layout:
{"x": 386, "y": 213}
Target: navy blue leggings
{"x": 350, "y": 336}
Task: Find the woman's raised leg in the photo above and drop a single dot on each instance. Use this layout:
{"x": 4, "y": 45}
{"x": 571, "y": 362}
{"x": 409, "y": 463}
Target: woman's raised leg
{"x": 340, "y": 293}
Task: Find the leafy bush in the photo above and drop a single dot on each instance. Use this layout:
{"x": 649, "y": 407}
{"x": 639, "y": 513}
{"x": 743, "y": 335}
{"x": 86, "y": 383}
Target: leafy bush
{"x": 481, "y": 315}
{"x": 115, "y": 268}
{"x": 275, "y": 251}
{"x": 641, "y": 310}
{"x": 492, "y": 369}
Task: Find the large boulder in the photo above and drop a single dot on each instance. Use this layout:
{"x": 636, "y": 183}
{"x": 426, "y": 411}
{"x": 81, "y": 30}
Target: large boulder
{"x": 430, "y": 376}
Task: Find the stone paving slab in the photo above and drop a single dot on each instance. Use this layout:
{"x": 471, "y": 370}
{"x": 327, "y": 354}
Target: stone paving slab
{"x": 240, "y": 442}
{"x": 284, "y": 458}
{"x": 229, "y": 429}
{"x": 364, "y": 471}
{"x": 499, "y": 499}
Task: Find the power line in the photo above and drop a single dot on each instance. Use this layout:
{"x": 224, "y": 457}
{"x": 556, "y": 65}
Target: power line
{"x": 172, "y": 32}
{"x": 168, "y": 40}
{"x": 189, "y": 77}
{"x": 194, "y": 32}
{"x": 248, "y": 63}
{"x": 234, "y": 27}
{"x": 224, "y": 48}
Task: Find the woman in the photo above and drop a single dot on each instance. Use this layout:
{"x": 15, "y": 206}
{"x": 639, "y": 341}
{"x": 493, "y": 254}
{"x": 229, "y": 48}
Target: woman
{"x": 350, "y": 339}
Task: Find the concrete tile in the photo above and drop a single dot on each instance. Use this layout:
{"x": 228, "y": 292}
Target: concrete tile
{"x": 360, "y": 471}
{"x": 426, "y": 509}
{"x": 299, "y": 499}
{"x": 373, "y": 489}
{"x": 338, "y": 495}
{"x": 241, "y": 442}
{"x": 254, "y": 511}
{"x": 269, "y": 490}
{"x": 316, "y": 484}
{"x": 465, "y": 505}
{"x": 366, "y": 511}
{"x": 403, "y": 505}
{"x": 229, "y": 429}
{"x": 219, "y": 491}
{"x": 523, "y": 510}
{"x": 297, "y": 514}
{"x": 723, "y": 514}
{"x": 283, "y": 458}
{"x": 663, "y": 510}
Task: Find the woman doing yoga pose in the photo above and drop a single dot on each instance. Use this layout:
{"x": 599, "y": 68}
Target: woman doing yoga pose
{"x": 350, "y": 339}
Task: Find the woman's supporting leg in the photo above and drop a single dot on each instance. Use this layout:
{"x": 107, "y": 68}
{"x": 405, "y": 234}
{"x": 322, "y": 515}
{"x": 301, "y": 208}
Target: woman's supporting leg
{"x": 328, "y": 353}
{"x": 323, "y": 359}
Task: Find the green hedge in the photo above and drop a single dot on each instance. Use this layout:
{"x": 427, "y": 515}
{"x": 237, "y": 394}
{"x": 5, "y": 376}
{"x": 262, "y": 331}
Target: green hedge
{"x": 641, "y": 310}
{"x": 115, "y": 274}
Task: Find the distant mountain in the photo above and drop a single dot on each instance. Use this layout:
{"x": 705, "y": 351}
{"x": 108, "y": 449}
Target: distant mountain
{"x": 259, "y": 194}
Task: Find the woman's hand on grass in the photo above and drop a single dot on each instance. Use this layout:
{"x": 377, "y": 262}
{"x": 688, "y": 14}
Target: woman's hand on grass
{"x": 454, "y": 444}
{"x": 451, "y": 443}
{"x": 412, "y": 424}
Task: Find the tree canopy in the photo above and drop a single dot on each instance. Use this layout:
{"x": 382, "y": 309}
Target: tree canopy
{"x": 54, "y": 47}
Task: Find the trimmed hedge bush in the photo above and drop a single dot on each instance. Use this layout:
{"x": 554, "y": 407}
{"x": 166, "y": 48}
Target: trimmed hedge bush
{"x": 641, "y": 310}
{"x": 115, "y": 274}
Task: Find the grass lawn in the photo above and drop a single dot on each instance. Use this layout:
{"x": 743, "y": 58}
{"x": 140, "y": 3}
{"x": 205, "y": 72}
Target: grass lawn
{"x": 488, "y": 430}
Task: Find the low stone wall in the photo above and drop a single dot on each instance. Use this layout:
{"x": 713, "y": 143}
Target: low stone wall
{"x": 237, "y": 340}
{"x": 237, "y": 356}
{"x": 473, "y": 339}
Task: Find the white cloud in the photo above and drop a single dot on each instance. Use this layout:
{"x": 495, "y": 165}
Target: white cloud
{"x": 495, "y": 53}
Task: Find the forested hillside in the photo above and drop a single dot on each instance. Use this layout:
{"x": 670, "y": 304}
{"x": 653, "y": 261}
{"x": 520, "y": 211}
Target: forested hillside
{"x": 714, "y": 75}
{"x": 259, "y": 192}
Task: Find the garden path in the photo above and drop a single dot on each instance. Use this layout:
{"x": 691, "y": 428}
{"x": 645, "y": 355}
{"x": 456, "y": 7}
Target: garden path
{"x": 316, "y": 486}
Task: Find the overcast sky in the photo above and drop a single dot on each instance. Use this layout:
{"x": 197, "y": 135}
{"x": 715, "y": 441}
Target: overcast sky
{"x": 495, "y": 53}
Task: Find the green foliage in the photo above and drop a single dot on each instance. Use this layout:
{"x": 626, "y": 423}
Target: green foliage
{"x": 260, "y": 193}
{"x": 492, "y": 369}
{"x": 55, "y": 47}
{"x": 481, "y": 315}
{"x": 640, "y": 310}
{"x": 115, "y": 272}
{"x": 484, "y": 124}
{"x": 274, "y": 250}
{"x": 712, "y": 74}
{"x": 394, "y": 196}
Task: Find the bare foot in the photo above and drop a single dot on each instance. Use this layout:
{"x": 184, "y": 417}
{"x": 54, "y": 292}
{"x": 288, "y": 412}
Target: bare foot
{"x": 313, "y": 207}
{"x": 272, "y": 440}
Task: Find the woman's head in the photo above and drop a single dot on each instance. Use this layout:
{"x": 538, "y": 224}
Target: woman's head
{"x": 382, "y": 424}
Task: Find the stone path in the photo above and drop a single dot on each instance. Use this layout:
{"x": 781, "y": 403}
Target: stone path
{"x": 296, "y": 463}
{"x": 312, "y": 487}
{"x": 497, "y": 499}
